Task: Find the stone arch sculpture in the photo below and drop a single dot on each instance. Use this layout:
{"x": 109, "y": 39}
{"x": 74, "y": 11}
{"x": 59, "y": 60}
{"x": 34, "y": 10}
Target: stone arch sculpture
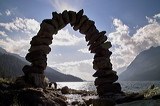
{"x": 97, "y": 42}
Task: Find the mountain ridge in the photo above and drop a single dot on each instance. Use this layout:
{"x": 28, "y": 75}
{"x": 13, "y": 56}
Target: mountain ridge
{"x": 145, "y": 67}
{"x": 11, "y": 67}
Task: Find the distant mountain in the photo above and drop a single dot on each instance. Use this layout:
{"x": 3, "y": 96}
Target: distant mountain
{"x": 11, "y": 67}
{"x": 145, "y": 67}
{"x": 3, "y": 51}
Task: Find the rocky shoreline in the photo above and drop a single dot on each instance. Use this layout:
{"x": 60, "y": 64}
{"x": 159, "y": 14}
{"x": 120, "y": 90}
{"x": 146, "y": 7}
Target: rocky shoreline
{"x": 12, "y": 94}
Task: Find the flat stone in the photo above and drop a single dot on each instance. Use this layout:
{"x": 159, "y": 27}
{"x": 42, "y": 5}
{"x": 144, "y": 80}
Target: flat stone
{"x": 85, "y": 27}
{"x": 55, "y": 15}
{"x": 61, "y": 22}
{"x": 101, "y": 73}
{"x": 95, "y": 37}
{"x": 40, "y": 63}
{"x": 108, "y": 79}
{"x": 65, "y": 16}
{"x": 46, "y": 30}
{"x": 102, "y": 63}
{"x": 59, "y": 19}
{"x": 83, "y": 19}
{"x": 78, "y": 17}
{"x": 48, "y": 21}
{"x": 36, "y": 55}
{"x": 37, "y": 40}
{"x": 32, "y": 69}
{"x": 55, "y": 24}
{"x": 72, "y": 17}
{"x": 108, "y": 87}
{"x": 101, "y": 40}
{"x": 44, "y": 48}
{"x": 92, "y": 31}
{"x": 100, "y": 52}
{"x": 105, "y": 45}
{"x": 103, "y": 102}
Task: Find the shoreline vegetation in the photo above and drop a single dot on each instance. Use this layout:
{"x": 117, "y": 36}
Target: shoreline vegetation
{"x": 14, "y": 94}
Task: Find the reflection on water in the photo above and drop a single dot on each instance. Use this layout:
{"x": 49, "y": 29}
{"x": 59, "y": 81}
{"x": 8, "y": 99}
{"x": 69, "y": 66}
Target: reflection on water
{"x": 88, "y": 86}
{"x": 129, "y": 86}
{"x": 135, "y": 86}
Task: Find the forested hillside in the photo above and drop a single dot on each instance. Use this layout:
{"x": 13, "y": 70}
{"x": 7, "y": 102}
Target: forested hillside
{"x": 11, "y": 67}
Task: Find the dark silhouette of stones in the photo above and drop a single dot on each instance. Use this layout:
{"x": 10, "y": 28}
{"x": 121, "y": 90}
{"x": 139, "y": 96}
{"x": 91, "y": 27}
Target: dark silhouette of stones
{"x": 105, "y": 45}
{"x": 85, "y": 27}
{"x": 65, "y": 16}
{"x": 108, "y": 87}
{"x": 46, "y": 49}
{"x": 34, "y": 74}
{"x": 101, "y": 73}
{"x": 82, "y": 20}
{"x": 95, "y": 37}
{"x": 38, "y": 80}
{"x": 61, "y": 22}
{"x": 39, "y": 97}
{"x": 36, "y": 55}
{"x": 32, "y": 69}
{"x": 102, "y": 63}
{"x": 36, "y": 40}
{"x": 55, "y": 24}
{"x": 46, "y": 30}
{"x": 78, "y": 17}
{"x": 102, "y": 52}
{"x": 101, "y": 40}
{"x": 59, "y": 19}
{"x": 40, "y": 63}
{"x": 92, "y": 31}
{"x": 107, "y": 79}
{"x": 72, "y": 17}
{"x": 104, "y": 102}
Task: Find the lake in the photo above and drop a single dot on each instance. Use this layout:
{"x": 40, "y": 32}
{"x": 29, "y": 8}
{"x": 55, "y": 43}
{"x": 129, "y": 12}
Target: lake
{"x": 128, "y": 86}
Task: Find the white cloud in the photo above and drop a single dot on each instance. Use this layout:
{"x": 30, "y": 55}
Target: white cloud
{"x": 85, "y": 50}
{"x": 64, "y": 38}
{"x": 125, "y": 47}
{"x": 156, "y": 16}
{"x": 19, "y": 46}
{"x": 22, "y": 24}
{"x": 3, "y": 34}
{"x": 0, "y": 14}
{"x": 61, "y": 5}
{"x": 8, "y": 13}
{"x": 82, "y": 69}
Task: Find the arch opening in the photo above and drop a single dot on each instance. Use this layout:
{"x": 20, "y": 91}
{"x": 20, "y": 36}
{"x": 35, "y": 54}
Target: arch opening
{"x": 97, "y": 42}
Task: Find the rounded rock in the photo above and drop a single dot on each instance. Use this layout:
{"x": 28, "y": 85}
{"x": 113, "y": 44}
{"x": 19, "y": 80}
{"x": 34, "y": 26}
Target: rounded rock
{"x": 36, "y": 40}
{"x": 44, "y": 48}
{"x": 108, "y": 79}
{"x": 102, "y": 73}
{"x": 32, "y": 69}
{"x": 36, "y": 55}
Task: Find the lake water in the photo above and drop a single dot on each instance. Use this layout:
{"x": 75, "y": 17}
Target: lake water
{"x": 128, "y": 86}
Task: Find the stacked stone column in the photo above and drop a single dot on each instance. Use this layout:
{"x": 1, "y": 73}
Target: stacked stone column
{"x": 97, "y": 42}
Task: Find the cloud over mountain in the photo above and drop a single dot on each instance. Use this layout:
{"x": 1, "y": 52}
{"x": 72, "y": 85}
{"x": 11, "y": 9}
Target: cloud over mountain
{"x": 126, "y": 46}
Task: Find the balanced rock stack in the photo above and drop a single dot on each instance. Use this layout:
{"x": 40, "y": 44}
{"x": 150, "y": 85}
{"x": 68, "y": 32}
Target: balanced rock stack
{"x": 96, "y": 41}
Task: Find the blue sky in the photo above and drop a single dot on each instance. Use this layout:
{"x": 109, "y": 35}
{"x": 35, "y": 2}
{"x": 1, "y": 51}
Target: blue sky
{"x": 132, "y": 26}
